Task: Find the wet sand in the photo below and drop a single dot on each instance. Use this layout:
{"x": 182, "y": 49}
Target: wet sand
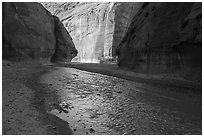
{"x": 168, "y": 79}
{"x": 104, "y": 105}
{"x": 23, "y": 108}
{"x": 52, "y": 99}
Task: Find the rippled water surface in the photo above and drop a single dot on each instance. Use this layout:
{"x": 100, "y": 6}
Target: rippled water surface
{"x": 98, "y": 104}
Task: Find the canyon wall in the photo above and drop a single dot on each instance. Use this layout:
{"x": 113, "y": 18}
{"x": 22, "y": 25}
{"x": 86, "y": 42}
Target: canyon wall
{"x": 31, "y": 32}
{"x": 96, "y": 28}
{"x": 124, "y": 14}
{"x": 164, "y": 37}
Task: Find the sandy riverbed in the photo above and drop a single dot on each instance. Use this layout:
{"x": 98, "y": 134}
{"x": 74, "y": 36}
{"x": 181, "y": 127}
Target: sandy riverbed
{"x": 168, "y": 79}
{"x": 27, "y": 97}
{"x": 22, "y": 106}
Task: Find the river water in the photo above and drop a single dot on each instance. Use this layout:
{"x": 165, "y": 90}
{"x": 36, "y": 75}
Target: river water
{"x": 98, "y": 104}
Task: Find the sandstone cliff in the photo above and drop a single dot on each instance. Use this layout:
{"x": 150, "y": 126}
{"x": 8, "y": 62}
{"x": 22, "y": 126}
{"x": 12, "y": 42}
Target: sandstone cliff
{"x": 31, "y": 32}
{"x": 164, "y": 37}
{"x": 96, "y": 28}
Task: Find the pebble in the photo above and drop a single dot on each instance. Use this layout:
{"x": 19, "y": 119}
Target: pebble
{"x": 65, "y": 111}
{"x": 125, "y": 133}
{"x": 53, "y": 127}
{"x": 133, "y": 130}
{"x": 92, "y": 130}
{"x": 75, "y": 75}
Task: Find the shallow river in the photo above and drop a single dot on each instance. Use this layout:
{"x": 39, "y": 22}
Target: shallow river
{"x": 98, "y": 104}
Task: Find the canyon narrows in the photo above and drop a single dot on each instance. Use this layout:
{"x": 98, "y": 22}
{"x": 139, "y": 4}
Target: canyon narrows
{"x": 102, "y": 68}
{"x": 140, "y": 35}
{"x": 96, "y": 28}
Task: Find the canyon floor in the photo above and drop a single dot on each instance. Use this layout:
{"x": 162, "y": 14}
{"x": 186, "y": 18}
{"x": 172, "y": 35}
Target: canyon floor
{"x": 60, "y": 99}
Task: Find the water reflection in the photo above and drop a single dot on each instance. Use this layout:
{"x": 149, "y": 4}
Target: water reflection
{"x": 98, "y": 104}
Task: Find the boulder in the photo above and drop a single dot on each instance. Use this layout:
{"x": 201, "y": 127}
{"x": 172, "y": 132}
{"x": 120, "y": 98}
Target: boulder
{"x": 164, "y": 37}
{"x": 31, "y": 32}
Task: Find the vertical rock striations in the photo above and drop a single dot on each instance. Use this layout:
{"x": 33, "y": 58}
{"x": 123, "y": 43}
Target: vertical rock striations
{"x": 96, "y": 28}
{"x": 124, "y": 13}
{"x": 164, "y": 37}
{"x": 31, "y": 32}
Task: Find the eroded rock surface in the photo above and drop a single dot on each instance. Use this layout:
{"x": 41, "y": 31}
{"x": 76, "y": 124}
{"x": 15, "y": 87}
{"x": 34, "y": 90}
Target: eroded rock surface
{"x": 31, "y": 32}
{"x": 65, "y": 49}
{"x": 96, "y": 28}
{"x": 164, "y": 37}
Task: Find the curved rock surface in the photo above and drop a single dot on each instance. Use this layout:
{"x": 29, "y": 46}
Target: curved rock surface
{"x": 164, "y": 37}
{"x": 31, "y": 32}
{"x": 96, "y": 28}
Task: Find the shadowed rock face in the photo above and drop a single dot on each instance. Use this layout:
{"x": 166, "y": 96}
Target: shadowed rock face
{"x": 96, "y": 28}
{"x": 124, "y": 14}
{"x": 164, "y": 37}
{"x": 31, "y": 32}
{"x": 65, "y": 49}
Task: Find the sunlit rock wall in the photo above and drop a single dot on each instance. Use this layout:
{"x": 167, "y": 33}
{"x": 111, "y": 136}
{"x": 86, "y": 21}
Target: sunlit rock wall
{"x": 164, "y": 37}
{"x": 96, "y": 28}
